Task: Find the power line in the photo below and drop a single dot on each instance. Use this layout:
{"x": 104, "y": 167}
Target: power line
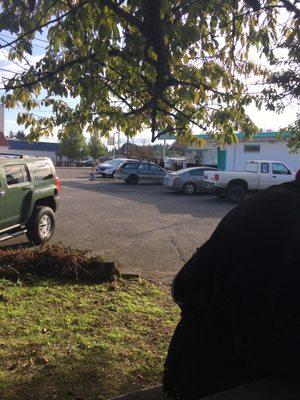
{"x": 8, "y": 70}
{"x": 36, "y": 45}
{"x": 35, "y": 110}
{"x": 12, "y": 61}
{"x": 20, "y": 53}
{"x": 11, "y": 37}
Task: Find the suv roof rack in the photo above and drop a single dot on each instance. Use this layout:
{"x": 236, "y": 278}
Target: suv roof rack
{"x": 8, "y": 155}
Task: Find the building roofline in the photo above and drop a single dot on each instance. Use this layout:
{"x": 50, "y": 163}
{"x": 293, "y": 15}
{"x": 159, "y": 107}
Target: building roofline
{"x": 275, "y": 135}
{"x": 24, "y": 145}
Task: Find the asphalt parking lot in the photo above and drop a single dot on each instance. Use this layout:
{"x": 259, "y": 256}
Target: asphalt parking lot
{"x": 143, "y": 228}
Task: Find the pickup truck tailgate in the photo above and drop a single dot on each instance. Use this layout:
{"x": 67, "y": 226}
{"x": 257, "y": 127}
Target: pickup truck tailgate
{"x": 210, "y": 176}
{"x": 210, "y": 179}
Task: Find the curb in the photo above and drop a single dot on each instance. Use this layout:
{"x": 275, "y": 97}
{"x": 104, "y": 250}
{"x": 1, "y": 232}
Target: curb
{"x": 82, "y": 168}
{"x": 152, "y": 393}
{"x": 264, "y": 389}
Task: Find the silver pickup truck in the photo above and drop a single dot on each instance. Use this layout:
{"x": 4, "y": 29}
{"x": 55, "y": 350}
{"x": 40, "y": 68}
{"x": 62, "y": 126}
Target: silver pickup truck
{"x": 257, "y": 175}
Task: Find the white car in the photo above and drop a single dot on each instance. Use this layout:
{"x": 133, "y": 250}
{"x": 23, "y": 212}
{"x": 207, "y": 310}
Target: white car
{"x": 257, "y": 175}
{"x": 108, "y": 168}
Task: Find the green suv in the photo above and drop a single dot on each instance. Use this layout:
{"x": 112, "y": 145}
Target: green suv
{"x": 29, "y": 197}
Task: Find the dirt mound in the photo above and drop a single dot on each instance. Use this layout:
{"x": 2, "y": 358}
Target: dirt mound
{"x": 55, "y": 262}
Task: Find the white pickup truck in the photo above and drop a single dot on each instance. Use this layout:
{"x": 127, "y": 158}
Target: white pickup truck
{"x": 257, "y": 175}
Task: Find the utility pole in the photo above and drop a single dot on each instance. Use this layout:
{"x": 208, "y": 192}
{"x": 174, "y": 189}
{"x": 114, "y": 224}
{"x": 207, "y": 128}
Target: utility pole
{"x": 127, "y": 146}
{"x": 114, "y": 145}
{"x": 164, "y": 151}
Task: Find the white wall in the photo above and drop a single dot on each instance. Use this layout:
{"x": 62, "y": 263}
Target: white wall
{"x": 277, "y": 151}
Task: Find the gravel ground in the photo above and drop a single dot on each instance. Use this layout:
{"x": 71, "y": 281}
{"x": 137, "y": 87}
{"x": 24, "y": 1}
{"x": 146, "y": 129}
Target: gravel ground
{"x": 144, "y": 228}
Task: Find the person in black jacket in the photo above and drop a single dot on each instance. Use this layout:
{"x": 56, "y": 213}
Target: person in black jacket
{"x": 239, "y": 296}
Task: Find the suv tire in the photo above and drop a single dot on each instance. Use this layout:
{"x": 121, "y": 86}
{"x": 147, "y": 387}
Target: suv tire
{"x": 132, "y": 179}
{"x": 41, "y": 226}
{"x": 236, "y": 193}
{"x": 189, "y": 188}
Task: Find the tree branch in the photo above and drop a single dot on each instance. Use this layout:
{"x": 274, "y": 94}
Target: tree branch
{"x": 196, "y": 85}
{"x": 38, "y": 27}
{"x": 167, "y": 130}
{"x": 291, "y": 7}
{"x": 50, "y": 74}
{"x": 131, "y": 19}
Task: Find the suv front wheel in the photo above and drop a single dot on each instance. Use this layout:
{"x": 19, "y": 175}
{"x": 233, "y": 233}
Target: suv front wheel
{"x": 132, "y": 179}
{"x": 41, "y": 226}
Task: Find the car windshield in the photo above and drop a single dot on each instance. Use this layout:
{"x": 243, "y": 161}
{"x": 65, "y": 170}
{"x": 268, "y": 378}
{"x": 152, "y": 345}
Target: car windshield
{"x": 169, "y": 162}
{"x": 115, "y": 161}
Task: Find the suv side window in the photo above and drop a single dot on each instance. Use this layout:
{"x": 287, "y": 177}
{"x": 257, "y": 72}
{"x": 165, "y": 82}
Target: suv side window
{"x": 143, "y": 167}
{"x": 129, "y": 166}
{"x": 16, "y": 174}
{"x": 264, "y": 168}
{"x": 42, "y": 171}
{"x": 251, "y": 167}
{"x": 155, "y": 168}
{"x": 279, "y": 169}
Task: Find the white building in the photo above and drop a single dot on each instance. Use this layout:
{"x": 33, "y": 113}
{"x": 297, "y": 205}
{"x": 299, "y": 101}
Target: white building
{"x": 264, "y": 146}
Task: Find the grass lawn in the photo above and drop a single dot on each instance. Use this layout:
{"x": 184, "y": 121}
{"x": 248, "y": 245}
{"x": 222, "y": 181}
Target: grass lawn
{"x": 84, "y": 342}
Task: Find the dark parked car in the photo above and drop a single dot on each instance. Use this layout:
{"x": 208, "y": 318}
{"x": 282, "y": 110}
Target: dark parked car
{"x": 133, "y": 173}
{"x": 109, "y": 168}
{"x": 188, "y": 181}
{"x": 87, "y": 163}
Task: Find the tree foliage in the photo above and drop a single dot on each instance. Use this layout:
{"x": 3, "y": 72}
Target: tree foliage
{"x": 141, "y": 152}
{"x": 96, "y": 147}
{"x": 284, "y": 82}
{"x": 294, "y": 135}
{"x": 20, "y": 135}
{"x": 167, "y": 65}
{"x": 73, "y": 145}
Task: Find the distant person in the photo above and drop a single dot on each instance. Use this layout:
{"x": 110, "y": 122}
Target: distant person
{"x": 161, "y": 163}
{"x": 176, "y": 166}
{"x": 180, "y": 165}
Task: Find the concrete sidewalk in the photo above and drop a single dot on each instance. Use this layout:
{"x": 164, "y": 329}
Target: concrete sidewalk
{"x": 266, "y": 389}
